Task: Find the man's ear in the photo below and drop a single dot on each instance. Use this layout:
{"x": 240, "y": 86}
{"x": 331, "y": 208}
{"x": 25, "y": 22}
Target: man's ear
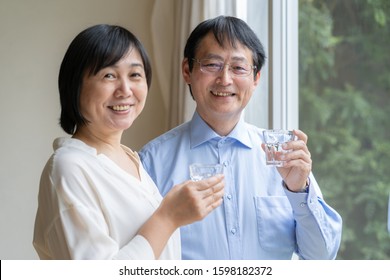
{"x": 185, "y": 69}
{"x": 257, "y": 78}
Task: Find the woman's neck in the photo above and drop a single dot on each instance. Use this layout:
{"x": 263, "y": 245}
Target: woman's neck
{"x": 110, "y": 146}
{"x": 100, "y": 141}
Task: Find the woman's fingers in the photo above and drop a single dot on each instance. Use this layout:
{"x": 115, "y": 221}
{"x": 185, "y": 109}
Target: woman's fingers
{"x": 211, "y": 191}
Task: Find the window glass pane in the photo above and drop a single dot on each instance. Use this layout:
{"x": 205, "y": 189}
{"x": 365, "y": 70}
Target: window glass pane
{"x": 256, "y": 111}
{"x": 344, "y": 105}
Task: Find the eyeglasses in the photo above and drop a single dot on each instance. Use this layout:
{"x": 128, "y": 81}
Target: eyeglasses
{"x": 214, "y": 66}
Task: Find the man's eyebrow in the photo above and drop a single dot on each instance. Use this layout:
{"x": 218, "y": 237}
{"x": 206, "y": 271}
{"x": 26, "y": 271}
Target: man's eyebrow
{"x": 216, "y": 56}
{"x": 212, "y": 56}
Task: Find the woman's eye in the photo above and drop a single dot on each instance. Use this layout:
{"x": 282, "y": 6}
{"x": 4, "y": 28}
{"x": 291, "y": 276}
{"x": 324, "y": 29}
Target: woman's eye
{"x": 109, "y": 76}
{"x": 136, "y": 75}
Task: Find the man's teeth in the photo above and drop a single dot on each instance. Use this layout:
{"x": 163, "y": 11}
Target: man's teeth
{"x": 120, "y": 107}
{"x": 222, "y": 93}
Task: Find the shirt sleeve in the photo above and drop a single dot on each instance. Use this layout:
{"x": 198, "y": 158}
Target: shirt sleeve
{"x": 318, "y": 226}
{"x": 79, "y": 234}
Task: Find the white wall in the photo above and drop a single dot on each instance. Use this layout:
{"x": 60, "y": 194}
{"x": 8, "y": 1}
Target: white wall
{"x": 34, "y": 36}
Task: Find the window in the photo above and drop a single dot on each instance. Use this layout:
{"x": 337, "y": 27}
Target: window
{"x": 276, "y": 24}
{"x": 257, "y": 111}
{"x": 328, "y": 73}
{"x": 344, "y": 87}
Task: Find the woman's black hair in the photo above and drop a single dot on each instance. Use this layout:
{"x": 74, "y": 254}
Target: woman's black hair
{"x": 90, "y": 51}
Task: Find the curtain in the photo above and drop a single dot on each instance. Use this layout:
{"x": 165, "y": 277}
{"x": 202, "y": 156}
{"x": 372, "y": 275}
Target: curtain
{"x": 172, "y": 22}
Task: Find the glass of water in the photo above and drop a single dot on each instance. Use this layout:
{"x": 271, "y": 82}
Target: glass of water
{"x": 200, "y": 171}
{"x": 274, "y": 139}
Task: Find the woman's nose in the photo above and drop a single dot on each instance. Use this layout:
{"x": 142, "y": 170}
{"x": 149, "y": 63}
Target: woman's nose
{"x": 124, "y": 89}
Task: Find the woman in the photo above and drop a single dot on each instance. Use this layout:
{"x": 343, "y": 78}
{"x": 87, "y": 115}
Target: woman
{"x": 96, "y": 201}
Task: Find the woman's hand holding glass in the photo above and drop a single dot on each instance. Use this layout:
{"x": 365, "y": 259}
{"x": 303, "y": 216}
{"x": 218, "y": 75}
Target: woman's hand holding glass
{"x": 191, "y": 201}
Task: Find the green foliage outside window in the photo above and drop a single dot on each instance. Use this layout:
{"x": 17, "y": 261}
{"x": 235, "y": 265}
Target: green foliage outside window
{"x": 344, "y": 55}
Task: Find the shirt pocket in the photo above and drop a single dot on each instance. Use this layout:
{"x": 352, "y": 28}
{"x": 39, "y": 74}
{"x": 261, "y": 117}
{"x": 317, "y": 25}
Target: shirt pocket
{"x": 275, "y": 223}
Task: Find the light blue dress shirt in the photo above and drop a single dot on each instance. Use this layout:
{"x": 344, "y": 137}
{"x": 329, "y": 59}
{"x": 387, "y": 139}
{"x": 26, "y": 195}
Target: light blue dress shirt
{"x": 259, "y": 218}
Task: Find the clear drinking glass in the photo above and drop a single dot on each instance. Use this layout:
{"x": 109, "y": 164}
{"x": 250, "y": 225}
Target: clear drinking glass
{"x": 274, "y": 139}
{"x": 200, "y": 171}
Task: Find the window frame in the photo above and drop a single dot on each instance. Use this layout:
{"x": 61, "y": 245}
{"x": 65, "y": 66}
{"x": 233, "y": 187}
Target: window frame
{"x": 283, "y": 66}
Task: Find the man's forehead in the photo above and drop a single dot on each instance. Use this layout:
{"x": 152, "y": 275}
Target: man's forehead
{"x": 210, "y": 48}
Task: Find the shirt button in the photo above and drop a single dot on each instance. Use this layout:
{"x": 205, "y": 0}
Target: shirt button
{"x": 303, "y": 204}
{"x": 226, "y": 164}
{"x": 233, "y": 231}
{"x": 229, "y": 196}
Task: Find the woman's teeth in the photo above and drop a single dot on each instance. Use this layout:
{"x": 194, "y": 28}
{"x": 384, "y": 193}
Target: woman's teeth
{"x": 120, "y": 107}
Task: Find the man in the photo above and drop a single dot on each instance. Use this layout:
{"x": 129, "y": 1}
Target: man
{"x": 268, "y": 212}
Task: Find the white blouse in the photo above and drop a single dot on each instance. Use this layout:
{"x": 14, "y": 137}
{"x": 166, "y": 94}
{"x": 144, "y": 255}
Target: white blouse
{"x": 89, "y": 208}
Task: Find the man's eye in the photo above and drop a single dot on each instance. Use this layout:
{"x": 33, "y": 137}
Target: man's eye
{"x": 213, "y": 65}
{"x": 240, "y": 69}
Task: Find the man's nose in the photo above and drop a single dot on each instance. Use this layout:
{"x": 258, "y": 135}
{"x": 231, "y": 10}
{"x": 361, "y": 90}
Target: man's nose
{"x": 225, "y": 75}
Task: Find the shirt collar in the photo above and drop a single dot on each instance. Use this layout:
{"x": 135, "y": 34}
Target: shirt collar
{"x": 201, "y": 132}
{"x": 61, "y": 142}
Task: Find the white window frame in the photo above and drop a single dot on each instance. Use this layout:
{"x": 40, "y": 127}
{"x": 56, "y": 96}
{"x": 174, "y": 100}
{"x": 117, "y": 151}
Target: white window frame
{"x": 284, "y": 68}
